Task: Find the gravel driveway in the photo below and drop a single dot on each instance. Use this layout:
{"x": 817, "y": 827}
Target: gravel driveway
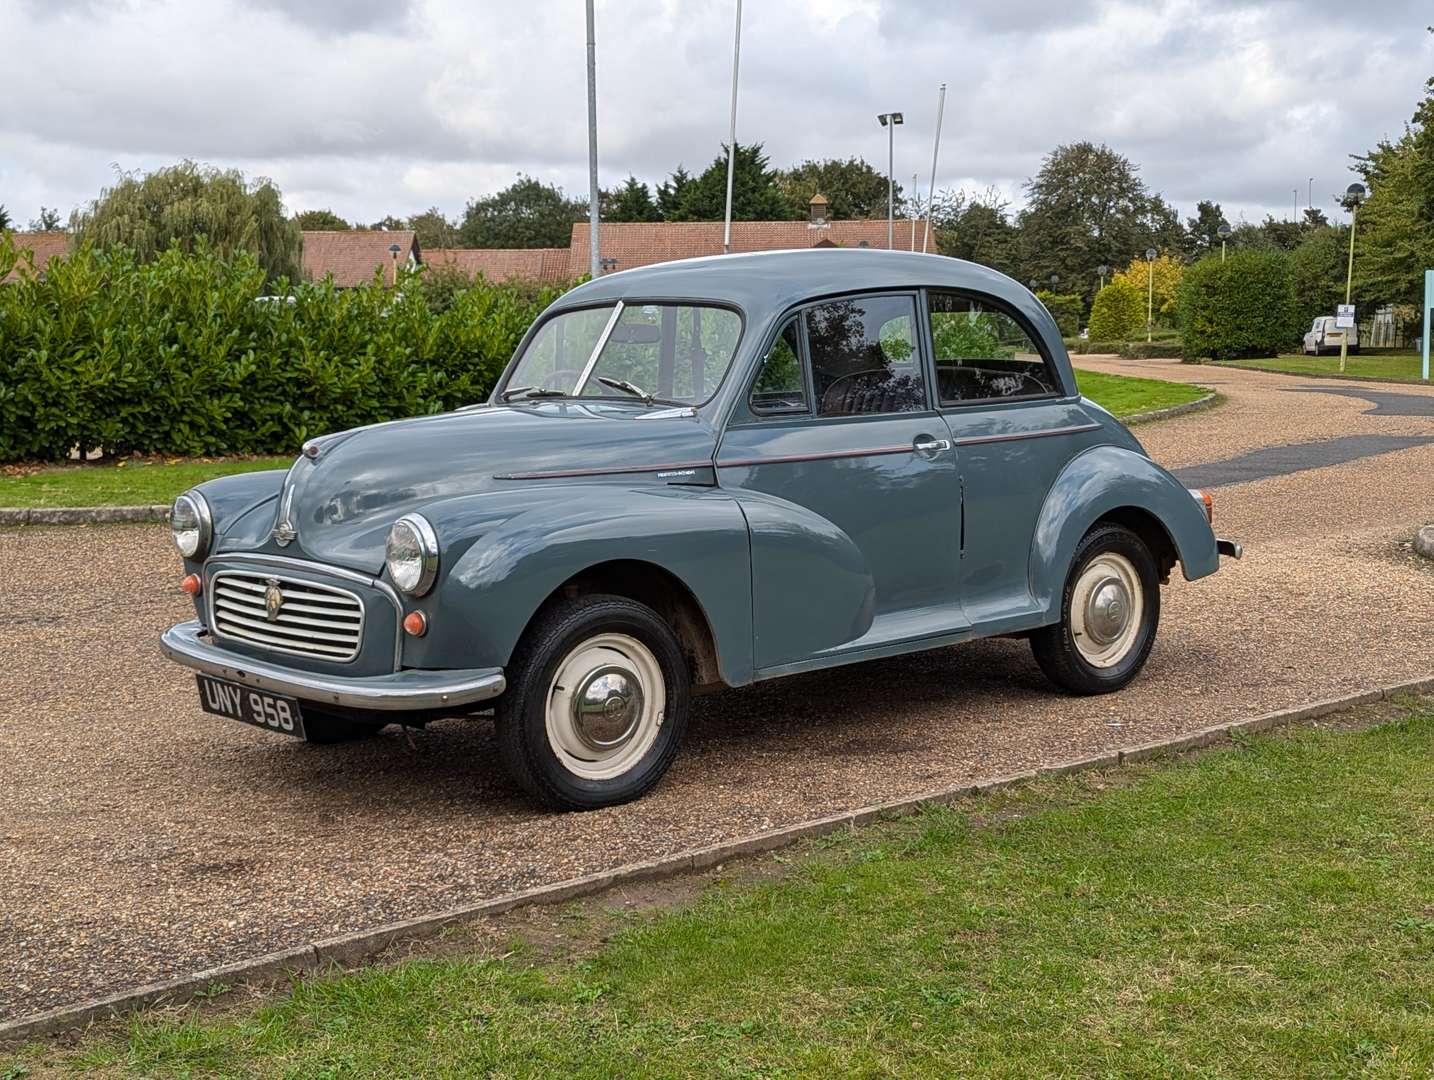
{"x": 141, "y": 839}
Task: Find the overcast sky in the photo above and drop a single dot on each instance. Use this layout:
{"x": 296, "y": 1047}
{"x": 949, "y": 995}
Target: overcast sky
{"x": 371, "y": 107}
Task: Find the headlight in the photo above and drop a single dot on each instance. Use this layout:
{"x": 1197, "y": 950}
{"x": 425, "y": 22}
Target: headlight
{"x": 191, "y": 525}
{"x": 412, "y": 554}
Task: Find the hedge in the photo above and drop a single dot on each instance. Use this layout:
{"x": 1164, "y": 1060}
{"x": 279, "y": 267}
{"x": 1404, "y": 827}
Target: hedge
{"x": 181, "y": 356}
{"x": 1065, "y": 308}
{"x": 1153, "y": 350}
{"x": 1240, "y": 307}
{"x": 1117, "y": 313}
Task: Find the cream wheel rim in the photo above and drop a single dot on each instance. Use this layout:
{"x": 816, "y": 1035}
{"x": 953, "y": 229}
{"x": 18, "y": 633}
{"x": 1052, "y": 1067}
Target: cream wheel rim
{"x": 605, "y": 706}
{"x": 1107, "y": 609}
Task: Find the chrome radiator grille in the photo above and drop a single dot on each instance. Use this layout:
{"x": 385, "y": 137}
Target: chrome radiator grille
{"x": 286, "y": 614}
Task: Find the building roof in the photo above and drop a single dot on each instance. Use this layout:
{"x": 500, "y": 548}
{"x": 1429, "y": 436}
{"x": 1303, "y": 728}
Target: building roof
{"x": 353, "y": 255}
{"x": 43, "y": 245}
{"x": 500, "y": 264}
{"x": 643, "y": 243}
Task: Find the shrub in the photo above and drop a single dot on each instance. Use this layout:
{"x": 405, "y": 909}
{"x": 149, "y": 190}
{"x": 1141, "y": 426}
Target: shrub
{"x": 1103, "y": 347}
{"x": 1242, "y": 307}
{"x": 180, "y": 356}
{"x": 1065, "y": 308}
{"x": 1118, "y": 312}
{"x": 1153, "y": 350}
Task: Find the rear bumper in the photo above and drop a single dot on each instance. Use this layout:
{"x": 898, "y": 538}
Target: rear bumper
{"x": 401, "y": 691}
{"x": 1231, "y": 549}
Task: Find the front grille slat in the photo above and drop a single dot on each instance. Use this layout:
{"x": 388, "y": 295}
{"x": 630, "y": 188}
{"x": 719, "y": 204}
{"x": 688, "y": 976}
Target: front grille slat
{"x": 314, "y": 620}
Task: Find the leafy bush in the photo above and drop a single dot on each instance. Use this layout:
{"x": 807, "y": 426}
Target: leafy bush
{"x": 1065, "y": 308}
{"x": 1102, "y": 347}
{"x": 1241, "y": 307}
{"x": 1152, "y": 350}
{"x": 180, "y": 355}
{"x": 1118, "y": 312}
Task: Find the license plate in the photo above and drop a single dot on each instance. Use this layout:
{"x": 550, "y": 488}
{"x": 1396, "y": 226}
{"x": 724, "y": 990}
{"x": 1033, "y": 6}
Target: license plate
{"x": 272, "y": 712}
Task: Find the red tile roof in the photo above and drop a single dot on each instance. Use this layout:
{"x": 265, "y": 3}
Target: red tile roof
{"x": 500, "y": 264}
{"x": 352, "y": 255}
{"x": 44, "y": 245}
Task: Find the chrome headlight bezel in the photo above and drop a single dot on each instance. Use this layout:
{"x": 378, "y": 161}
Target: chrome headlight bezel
{"x": 194, "y": 540}
{"x": 411, "y": 554}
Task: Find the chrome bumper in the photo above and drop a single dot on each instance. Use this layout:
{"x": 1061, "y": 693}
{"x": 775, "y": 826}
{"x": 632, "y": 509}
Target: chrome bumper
{"x": 187, "y": 644}
{"x": 1231, "y": 549}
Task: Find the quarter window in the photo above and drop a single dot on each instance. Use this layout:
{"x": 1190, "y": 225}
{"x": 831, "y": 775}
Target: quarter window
{"x": 780, "y": 388}
{"x": 983, "y": 354}
{"x": 863, "y": 356}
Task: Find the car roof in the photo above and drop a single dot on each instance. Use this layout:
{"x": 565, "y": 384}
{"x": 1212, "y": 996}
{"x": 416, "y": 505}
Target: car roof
{"x": 766, "y": 283}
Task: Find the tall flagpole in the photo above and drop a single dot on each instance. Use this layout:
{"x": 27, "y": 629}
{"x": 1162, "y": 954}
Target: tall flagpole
{"x": 935, "y": 152}
{"x": 732, "y": 134}
{"x": 595, "y": 265}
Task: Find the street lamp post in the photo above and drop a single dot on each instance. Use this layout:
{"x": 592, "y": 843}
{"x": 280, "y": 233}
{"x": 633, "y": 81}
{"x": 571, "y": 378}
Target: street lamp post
{"x": 1353, "y": 196}
{"x": 1309, "y": 202}
{"x": 1149, "y": 294}
{"x": 393, "y": 250}
{"x": 889, "y": 121}
{"x": 1102, "y": 270}
{"x": 594, "y": 193}
{"x": 732, "y": 135}
{"x": 1224, "y": 230}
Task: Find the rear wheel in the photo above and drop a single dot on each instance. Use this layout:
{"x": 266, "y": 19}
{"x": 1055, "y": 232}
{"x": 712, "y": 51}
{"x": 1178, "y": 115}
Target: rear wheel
{"x": 596, "y": 705}
{"x": 1110, "y": 610}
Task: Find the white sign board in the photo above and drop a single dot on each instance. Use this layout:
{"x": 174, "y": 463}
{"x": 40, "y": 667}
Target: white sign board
{"x": 1344, "y": 316}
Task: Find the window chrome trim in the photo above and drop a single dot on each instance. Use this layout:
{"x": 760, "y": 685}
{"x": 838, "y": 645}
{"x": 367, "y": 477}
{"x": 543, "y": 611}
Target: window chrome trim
{"x": 321, "y": 569}
{"x": 597, "y": 349}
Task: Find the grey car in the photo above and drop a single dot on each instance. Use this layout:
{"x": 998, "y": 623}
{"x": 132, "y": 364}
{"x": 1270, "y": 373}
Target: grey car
{"x": 692, "y": 476}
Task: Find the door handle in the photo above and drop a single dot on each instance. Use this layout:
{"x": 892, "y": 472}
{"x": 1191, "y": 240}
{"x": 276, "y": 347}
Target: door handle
{"x": 926, "y": 445}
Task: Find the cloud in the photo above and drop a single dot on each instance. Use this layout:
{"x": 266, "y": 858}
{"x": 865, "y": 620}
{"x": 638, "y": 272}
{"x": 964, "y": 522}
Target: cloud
{"x": 374, "y": 107}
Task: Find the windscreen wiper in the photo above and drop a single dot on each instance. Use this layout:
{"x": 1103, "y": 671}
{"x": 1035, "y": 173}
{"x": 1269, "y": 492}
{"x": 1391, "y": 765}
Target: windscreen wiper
{"x": 531, "y": 392}
{"x": 636, "y": 391}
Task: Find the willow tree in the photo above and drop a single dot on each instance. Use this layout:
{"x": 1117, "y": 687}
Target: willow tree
{"x": 189, "y": 204}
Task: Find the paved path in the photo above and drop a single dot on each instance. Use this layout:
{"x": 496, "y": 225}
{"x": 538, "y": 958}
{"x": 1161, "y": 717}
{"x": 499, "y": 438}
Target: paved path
{"x": 141, "y": 840}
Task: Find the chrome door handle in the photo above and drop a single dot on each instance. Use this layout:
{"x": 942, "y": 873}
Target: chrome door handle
{"x": 925, "y": 444}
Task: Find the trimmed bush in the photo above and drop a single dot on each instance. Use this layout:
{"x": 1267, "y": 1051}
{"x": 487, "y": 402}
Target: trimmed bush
{"x": 1242, "y": 307}
{"x": 1109, "y": 347}
{"x": 181, "y": 356}
{"x": 1118, "y": 312}
{"x": 1065, "y": 308}
{"x": 1153, "y": 350}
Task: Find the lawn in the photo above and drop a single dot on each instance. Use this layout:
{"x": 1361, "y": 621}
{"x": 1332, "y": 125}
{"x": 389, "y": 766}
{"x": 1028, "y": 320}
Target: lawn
{"x": 135, "y": 482}
{"x": 1126, "y": 396}
{"x": 1265, "y": 910}
{"x": 129, "y": 482}
{"x": 1398, "y": 366}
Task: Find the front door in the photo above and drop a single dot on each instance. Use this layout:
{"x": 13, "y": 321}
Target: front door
{"x": 849, "y": 482}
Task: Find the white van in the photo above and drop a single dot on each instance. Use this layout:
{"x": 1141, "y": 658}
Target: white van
{"x": 1324, "y": 336}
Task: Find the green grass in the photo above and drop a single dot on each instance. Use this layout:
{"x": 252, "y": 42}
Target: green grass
{"x": 1126, "y": 396}
{"x": 1265, "y": 911}
{"x": 131, "y": 482}
{"x": 1397, "y": 366}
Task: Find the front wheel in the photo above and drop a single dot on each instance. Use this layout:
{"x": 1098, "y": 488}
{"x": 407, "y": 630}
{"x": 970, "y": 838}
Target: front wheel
{"x": 596, "y": 705}
{"x": 1110, "y": 610}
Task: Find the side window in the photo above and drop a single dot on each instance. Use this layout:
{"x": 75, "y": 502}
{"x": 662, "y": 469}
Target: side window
{"x": 983, "y": 354}
{"x": 863, "y": 356}
{"x": 780, "y": 387}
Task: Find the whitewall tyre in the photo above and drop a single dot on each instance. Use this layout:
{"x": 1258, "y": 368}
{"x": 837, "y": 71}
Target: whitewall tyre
{"x": 1110, "y": 611}
{"x": 597, "y": 703}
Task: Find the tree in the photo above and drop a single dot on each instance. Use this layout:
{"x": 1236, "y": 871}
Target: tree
{"x": 631, "y": 202}
{"x": 189, "y": 205}
{"x": 527, "y": 213}
{"x": 1117, "y": 313}
{"x": 48, "y": 221}
{"x": 755, "y": 194}
{"x": 852, "y": 188}
{"x": 320, "y": 221}
{"x": 1162, "y": 276}
{"x": 1317, "y": 271}
{"x": 4, "y": 219}
{"x": 1394, "y": 237}
{"x": 671, "y": 193}
{"x": 1087, "y": 207}
{"x": 1203, "y": 230}
{"x": 974, "y": 227}
{"x": 433, "y": 230}
{"x": 389, "y": 223}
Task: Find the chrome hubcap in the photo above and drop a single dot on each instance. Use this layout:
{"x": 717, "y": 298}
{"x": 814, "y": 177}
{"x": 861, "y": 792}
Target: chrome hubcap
{"x": 607, "y": 709}
{"x": 605, "y": 706}
{"x": 1106, "y": 609}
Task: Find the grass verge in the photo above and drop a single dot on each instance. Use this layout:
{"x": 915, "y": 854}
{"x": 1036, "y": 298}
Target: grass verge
{"x": 128, "y": 482}
{"x": 1261, "y": 911}
{"x": 1127, "y": 396}
{"x": 1395, "y": 366}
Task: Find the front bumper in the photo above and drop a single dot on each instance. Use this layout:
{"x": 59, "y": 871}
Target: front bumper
{"x": 188, "y": 644}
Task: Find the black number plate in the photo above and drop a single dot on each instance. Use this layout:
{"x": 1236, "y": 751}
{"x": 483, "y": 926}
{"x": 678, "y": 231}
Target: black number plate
{"x": 272, "y": 712}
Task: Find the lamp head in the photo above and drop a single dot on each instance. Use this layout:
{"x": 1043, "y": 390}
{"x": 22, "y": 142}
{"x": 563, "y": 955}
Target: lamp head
{"x": 1149, "y": 254}
{"x": 1354, "y": 195}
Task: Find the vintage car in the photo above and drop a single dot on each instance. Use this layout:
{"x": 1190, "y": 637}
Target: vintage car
{"x": 692, "y": 475}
